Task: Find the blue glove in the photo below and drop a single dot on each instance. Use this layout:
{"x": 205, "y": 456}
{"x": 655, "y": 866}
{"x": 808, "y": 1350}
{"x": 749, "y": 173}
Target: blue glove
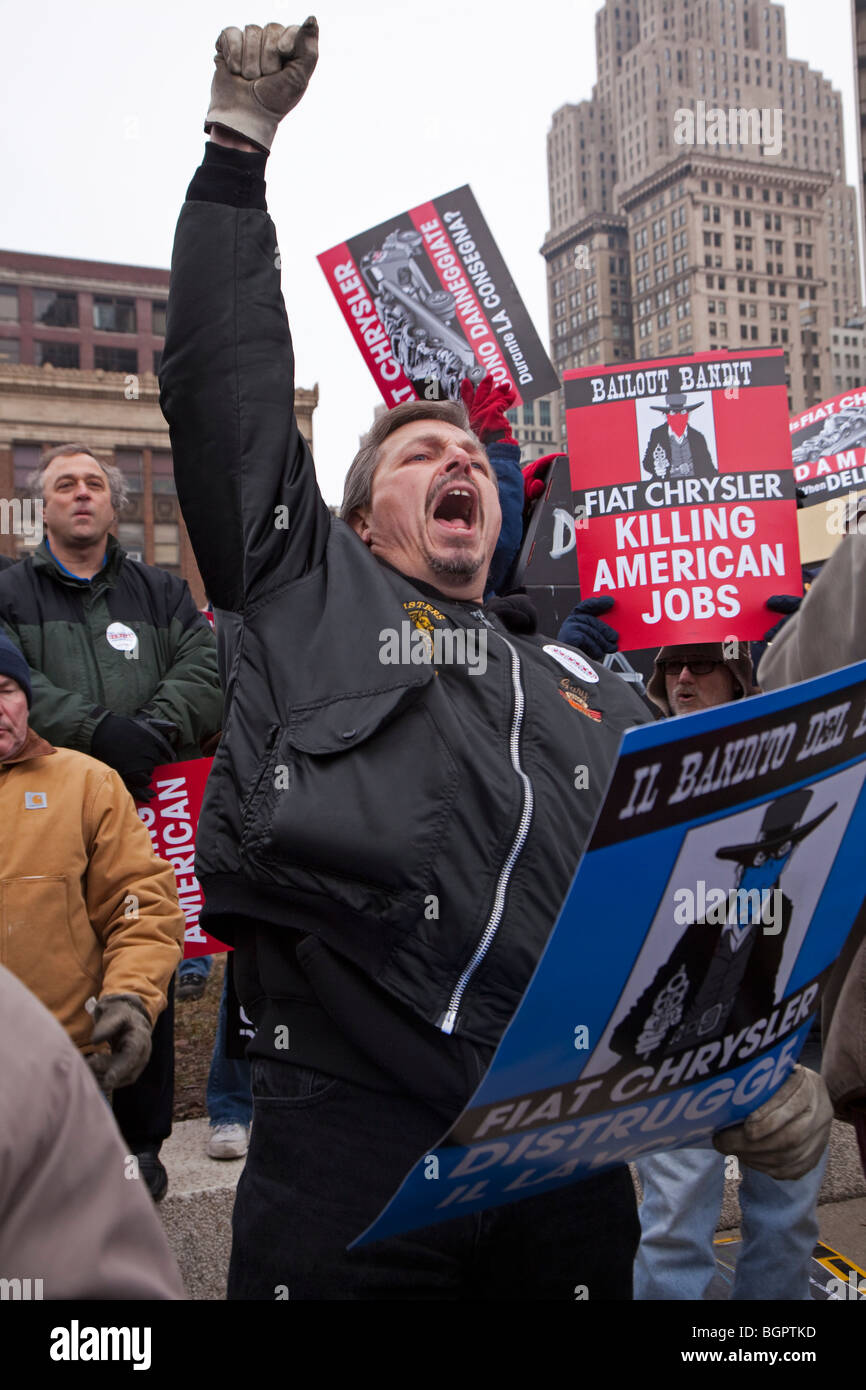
{"x": 780, "y": 603}
{"x": 584, "y": 630}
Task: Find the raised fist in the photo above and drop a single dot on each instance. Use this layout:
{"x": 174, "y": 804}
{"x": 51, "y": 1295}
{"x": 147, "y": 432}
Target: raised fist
{"x": 260, "y": 75}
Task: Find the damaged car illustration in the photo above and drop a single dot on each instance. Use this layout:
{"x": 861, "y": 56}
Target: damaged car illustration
{"x": 417, "y": 317}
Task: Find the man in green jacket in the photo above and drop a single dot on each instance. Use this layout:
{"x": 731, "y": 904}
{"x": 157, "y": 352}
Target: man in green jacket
{"x": 123, "y": 667}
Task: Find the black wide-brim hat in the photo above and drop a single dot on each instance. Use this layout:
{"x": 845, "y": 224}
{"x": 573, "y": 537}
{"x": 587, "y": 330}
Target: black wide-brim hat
{"x": 676, "y": 401}
{"x": 779, "y": 827}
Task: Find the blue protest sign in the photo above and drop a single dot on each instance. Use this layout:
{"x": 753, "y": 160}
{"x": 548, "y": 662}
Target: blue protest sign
{"x": 721, "y": 878}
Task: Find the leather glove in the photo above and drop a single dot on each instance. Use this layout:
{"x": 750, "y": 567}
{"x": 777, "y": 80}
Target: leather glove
{"x": 260, "y": 75}
{"x": 785, "y": 1137}
{"x": 486, "y": 405}
{"x": 133, "y": 747}
{"x": 535, "y": 475}
{"x": 582, "y": 628}
{"x": 781, "y": 603}
{"x": 123, "y": 1022}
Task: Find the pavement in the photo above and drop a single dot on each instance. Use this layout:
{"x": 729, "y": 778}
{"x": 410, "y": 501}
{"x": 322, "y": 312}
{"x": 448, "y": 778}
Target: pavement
{"x": 197, "y": 1210}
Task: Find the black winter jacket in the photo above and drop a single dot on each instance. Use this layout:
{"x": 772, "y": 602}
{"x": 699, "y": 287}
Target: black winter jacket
{"x": 423, "y": 822}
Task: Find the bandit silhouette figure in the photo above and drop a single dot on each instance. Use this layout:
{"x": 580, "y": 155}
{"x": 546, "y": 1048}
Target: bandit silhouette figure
{"x": 676, "y": 449}
{"x": 704, "y": 988}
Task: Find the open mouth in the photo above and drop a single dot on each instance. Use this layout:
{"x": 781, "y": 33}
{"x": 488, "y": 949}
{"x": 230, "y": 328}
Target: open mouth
{"x": 456, "y": 509}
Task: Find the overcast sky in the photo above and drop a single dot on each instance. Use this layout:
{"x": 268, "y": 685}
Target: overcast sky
{"x": 104, "y": 104}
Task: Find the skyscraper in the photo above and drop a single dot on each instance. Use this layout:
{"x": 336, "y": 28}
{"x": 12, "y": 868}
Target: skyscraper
{"x": 697, "y": 199}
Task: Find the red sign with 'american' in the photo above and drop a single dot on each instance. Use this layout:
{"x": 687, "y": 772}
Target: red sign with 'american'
{"x": 172, "y": 818}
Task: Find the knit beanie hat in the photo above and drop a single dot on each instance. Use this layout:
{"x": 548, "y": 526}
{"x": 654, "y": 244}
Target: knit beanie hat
{"x": 740, "y": 667}
{"x": 12, "y": 664}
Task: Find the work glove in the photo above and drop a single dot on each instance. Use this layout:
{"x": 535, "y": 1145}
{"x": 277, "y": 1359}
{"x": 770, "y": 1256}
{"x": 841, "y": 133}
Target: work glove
{"x": 786, "y": 1137}
{"x": 133, "y": 746}
{"x": 486, "y": 405}
{"x": 260, "y": 75}
{"x": 123, "y": 1022}
{"x": 582, "y": 628}
{"x": 785, "y": 604}
{"x": 535, "y": 477}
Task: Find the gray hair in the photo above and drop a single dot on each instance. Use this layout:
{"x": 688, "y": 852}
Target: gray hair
{"x": 359, "y": 479}
{"x": 116, "y": 480}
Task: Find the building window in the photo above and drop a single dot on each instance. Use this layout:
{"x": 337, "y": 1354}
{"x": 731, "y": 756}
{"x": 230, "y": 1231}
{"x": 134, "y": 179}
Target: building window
{"x": 162, "y": 471}
{"x": 131, "y": 536}
{"x": 544, "y": 413}
{"x": 166, "y": 543}
{"x": 158, "y": 318}
{"x": 529, "y": 413}
{"x": 10, "y": 350}
{"x": 157, "y": 360}
{"x": 114, "y": 359}
{"x": 114, "y": 314}
{"x": 56, "y": 354}
{"x": 8, "y": 305}
{"x": 25, "y": 461}
{"x": 55, "y": 308}
{"x": 129, "y": 463}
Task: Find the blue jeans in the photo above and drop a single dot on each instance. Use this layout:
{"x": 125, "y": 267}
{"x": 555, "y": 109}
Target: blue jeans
{"x": 682, "y": 1194}
{"x": 229, "y": 1098}
{"x": 195, "y": 968}
{"x": 326, "y": 1155}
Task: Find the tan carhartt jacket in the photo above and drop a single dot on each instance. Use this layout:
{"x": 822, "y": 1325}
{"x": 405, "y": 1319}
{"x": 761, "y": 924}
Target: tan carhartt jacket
{"x": 86, "y": 908}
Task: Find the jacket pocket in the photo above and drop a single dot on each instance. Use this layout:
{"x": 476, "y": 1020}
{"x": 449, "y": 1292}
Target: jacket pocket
{"x": 55, "y": 957}
{"x": 356, "y": 790}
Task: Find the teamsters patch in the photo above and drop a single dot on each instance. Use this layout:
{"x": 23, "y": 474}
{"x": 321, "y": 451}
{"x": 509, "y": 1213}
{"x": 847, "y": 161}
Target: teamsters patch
{"x": 424, "y": 615}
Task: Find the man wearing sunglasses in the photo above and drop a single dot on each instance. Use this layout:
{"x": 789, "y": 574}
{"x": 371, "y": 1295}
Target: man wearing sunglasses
{"x": 700, "y": 676}
{"x": 682, "y": 1189}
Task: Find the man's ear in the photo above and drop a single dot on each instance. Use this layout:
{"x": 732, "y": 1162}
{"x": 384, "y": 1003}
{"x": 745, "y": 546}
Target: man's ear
{"x": 359, "y": 522}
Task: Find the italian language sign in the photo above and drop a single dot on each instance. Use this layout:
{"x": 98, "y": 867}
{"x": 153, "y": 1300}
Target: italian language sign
{"x": 683, "y": 489}
{"x": 828, "y": 447}
{"x": 172, "y": 821}
{"x": 429, "y": 302}
{"x": 721, "y": 878}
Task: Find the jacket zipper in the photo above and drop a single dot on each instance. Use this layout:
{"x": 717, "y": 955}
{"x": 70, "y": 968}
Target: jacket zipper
{"x": 449, "y": 1020}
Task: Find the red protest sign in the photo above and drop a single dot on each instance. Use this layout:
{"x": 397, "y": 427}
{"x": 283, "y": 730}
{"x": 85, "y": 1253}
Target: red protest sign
{"x": 172, "y": 821}
{"x": 430, "y": 303}
{"x": 828, "y": 447}
{"x": 683, "y": 494}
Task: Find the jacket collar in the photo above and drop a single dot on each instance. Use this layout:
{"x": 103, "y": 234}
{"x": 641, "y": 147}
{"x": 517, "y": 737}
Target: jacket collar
{"x": 114, "y": 558}
{"x": 32, "y": 747}
{"x": 428, "y": 589}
